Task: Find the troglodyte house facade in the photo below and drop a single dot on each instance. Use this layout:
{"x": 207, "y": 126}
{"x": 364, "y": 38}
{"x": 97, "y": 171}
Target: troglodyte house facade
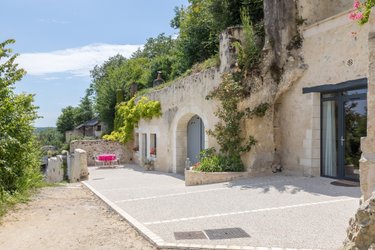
{"x": 322, "y": 99}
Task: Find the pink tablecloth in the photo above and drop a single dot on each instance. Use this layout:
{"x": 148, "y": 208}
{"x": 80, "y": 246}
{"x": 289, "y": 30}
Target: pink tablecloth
{"x": 107, "y": 157}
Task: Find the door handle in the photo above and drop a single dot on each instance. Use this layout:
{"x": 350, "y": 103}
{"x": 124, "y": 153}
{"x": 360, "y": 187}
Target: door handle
{"x": 342, "y": 140}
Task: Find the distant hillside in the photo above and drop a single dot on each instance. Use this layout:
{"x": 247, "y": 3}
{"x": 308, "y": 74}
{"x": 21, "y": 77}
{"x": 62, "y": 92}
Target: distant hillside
{"x": 40, "y": 129}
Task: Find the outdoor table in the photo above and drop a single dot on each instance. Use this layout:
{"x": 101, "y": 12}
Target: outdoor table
{"x": 106, "y": 159}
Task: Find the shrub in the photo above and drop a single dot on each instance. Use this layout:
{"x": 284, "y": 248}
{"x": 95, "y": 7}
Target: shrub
{"x": 211, "y": 162}
{"x": 19, "y": 153}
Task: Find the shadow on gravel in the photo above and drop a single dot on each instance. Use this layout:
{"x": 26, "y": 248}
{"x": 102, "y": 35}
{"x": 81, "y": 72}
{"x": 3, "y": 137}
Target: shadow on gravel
{"x": 294, "y": 185}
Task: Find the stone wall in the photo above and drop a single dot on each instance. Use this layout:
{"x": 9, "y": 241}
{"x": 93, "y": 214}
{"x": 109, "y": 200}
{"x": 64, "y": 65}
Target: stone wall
{"x": 96, "y": 147}
{"x": 193, "y": 178}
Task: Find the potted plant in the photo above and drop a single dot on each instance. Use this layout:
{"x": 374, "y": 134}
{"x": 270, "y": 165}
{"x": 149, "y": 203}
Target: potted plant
{"x": 148, "y": 164}
{"x": 153, "y": 152}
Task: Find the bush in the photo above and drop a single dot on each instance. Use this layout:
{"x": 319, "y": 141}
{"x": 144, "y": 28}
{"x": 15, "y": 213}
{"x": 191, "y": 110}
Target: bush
{"x": 211, "y": 162}
{"x": 19, "y": 151}
{"x": 231, "y": 164}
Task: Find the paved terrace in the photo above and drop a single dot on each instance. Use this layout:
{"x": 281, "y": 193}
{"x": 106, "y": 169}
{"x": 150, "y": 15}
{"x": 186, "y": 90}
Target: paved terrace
{"x": 275, "y": 212}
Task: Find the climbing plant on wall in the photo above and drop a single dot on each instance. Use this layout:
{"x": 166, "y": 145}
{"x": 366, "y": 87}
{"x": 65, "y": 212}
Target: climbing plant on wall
{"x": 362, "y": 11}
{"x": 228, "y": 131}
{"x": 128, "y": 114}
{"x": 231, "y": 91}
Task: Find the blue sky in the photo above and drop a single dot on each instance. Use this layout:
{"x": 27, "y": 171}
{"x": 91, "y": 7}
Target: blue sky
{"x": 60, "y": 41}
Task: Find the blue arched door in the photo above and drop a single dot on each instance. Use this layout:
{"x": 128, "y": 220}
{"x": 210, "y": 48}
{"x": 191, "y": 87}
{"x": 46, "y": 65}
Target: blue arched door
{"x": 195, "y": 138}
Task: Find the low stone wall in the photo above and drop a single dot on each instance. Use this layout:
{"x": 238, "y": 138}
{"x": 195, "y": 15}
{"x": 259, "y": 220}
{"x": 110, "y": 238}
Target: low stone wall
{"x": 361, "y": 231}
{"x": 200, "y": 178}
{"x": 55, "y": 169}
{"x": 96, "y": 147}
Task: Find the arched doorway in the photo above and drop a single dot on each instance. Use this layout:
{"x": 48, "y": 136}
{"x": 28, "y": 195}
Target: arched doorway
{"x": 195, "y": 138}
{"x": 189, "y": 138}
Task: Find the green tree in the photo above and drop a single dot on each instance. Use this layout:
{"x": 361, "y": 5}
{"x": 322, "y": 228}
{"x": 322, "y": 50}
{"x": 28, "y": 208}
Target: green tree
{"x": 117, "y": 74}
{"x": 202, "y": 22}
{"x": 106, "y": 80}
{"x": 197, "y": 40}
{"x": 84, "y": 112}
{"x": 66, "y": 121}
{"x": 19, "y": 154}
{"x": 161, "y": 55}
{"x": 50, "y": 136}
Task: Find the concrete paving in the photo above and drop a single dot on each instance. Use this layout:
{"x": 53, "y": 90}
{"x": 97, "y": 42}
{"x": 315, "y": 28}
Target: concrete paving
{"x": 276, "y": 211}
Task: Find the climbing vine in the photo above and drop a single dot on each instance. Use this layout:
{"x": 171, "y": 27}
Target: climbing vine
{"x": 228, "y": 130}
{"x": 231, "y": 91}
{"x": 362, "y": 11}
{"x": 128, "y": 114}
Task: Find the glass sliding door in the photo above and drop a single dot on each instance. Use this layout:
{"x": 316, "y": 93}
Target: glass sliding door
{"x": 355, "y": 128}
{"x": 329, "y": 138}
{"x": 343, "y": 123}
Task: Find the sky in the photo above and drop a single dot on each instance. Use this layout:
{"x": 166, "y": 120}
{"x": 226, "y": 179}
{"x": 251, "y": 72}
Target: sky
{"x": 59, "y": 42}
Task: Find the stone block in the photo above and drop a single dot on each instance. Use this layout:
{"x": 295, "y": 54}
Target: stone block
{"x": 55, "y": 169}
{"x": 78, "y": 166}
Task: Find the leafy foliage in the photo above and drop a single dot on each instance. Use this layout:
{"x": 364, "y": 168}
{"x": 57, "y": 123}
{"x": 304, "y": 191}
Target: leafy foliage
{"x": 212, "y": 162}
{"x": 71, "y": 117}
{"x": 19, "y": 154}
{"x": 258, "y": 111}
{"x": 362, "y": 11}
{"x": 249, "y": 53}
{"x": 128, "y": 114}
{"x": 84, "y": 111}
{"x": 202, "y": 22}
{"x": 50, "y": 136}
{"x": 65, "y": 121}
{"x": 106, "y": 80}
{"x": 228, "y": 130}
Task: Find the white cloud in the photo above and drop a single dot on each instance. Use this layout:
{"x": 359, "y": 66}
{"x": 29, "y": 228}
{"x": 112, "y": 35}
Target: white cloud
{"x": 76, "y": 61}
{"x": 50, "y": 20}
{"x": 52, "y": 78}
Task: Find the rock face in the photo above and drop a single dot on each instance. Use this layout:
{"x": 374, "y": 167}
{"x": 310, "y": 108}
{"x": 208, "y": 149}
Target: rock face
{"x": 361, "y": 230}
{"x": 281, "y": 27}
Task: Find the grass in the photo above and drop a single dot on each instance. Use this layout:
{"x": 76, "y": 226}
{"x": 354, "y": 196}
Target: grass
{"x": 9, "y": 201}
{"x": 211, "y": 62}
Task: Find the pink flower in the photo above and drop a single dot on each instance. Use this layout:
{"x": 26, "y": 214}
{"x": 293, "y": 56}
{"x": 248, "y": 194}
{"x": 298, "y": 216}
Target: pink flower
{"x": 356, "y": 4}
{"x": 352, "y": 16}
{"x": 359, "y": 16}
{"x": 355, "y": 15}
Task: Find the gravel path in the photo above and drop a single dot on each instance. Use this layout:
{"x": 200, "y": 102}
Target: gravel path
{"x": 67, "y": 217}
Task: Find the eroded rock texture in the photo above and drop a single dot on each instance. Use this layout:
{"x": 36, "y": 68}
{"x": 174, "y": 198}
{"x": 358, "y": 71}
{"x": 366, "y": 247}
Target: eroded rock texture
{"x": 361, "y": 230}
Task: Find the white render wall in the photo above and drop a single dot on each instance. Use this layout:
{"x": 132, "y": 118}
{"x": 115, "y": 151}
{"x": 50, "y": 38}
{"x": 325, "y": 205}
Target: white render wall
{"x": 179, "y": 102}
